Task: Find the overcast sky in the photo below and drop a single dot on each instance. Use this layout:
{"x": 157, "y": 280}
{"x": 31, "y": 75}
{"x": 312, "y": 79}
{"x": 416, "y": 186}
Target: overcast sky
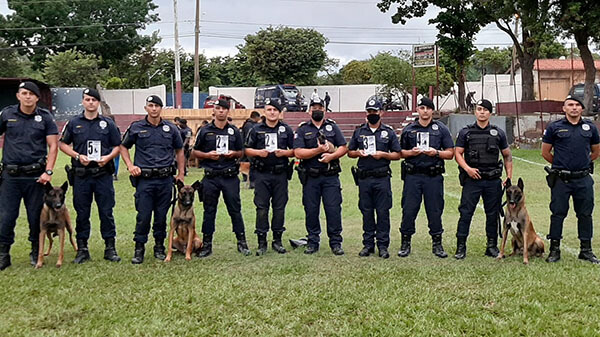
{"x": 343, "y": 22}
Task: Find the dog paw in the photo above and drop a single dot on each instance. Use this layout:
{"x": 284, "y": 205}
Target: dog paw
{"x": 188, "y": 258}
{"x": 167, "y": 259}
{"x": 500, "y": 257}
{"x": 526, "y": 262}
{"x": 38, "y": 266}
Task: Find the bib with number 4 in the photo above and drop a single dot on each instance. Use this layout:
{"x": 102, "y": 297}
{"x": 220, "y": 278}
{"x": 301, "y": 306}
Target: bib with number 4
{"x": 222, "y": 144}
{"x": 271, "y": 142}
{"x": 93, "y": 150}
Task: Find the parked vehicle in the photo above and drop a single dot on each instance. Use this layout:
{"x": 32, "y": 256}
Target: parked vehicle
{"x": 577, "y": 91}
{"x": 285, "y": 94}
{"x": 210, "y": 101}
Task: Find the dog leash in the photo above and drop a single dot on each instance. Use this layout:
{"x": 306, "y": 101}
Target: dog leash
{"x": 174, "y": 200}
{"x": 501, "y": 211}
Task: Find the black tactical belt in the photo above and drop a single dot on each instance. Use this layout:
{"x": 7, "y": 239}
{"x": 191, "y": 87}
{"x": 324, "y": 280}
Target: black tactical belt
{"x": 90, "y": 171}
{"x": 432, "y": 171}
{"x": 331, "y": 170}
{"x": 260, "y": 166}
{"x": 489, "y": 175}
{"x": 162, "y": 172}
{"x": 226, "y": 173}
{"x": 376, "y": 173}
{"x": 25, "y": 170}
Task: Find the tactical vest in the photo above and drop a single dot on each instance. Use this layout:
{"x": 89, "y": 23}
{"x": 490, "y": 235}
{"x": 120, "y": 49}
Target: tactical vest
{"x": 482, "y": 148}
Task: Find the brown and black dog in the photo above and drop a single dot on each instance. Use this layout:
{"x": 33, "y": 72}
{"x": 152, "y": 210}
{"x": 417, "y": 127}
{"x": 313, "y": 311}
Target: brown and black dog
{"x": 53, "y": 221}
{"x": 519, "y": 223}
{"x": 183, "y": 222}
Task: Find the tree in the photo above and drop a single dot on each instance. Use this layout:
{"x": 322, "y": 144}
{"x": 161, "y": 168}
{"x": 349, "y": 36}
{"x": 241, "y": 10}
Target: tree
{"x": 580, "y": 19}
{"x": 390, "y": 70}
{"x": 536, "y": 31}
{"x": 72, "y": 68}
{"x": 14, "y": 65}
{"x": 356, "y": 72}
{"x": 458, "y": 22}
{"x": 107, "y": 28}
{"x": 284, "y": 54}
{"x": 493, "y": 60}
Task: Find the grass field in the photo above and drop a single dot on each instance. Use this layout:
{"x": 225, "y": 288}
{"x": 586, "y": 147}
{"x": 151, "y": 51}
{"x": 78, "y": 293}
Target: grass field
{"x": 294, "y": 294}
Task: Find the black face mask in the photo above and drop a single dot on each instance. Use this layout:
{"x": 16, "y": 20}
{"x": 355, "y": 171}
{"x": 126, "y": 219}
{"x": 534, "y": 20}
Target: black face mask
{"x": 317, "y": 115}
{"x": 373, "y": 118}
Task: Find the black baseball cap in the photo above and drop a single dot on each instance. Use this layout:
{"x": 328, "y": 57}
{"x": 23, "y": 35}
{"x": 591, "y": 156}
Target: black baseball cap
{"x": 31, "y": 87}
{"x": 92, "y": 92}
{"x": 154, "y": 99}
{"x": 486, "y": 104}
{"x": 316, "y": 101}
{"x": 274, "y": 104}
{"x": 427, "y": 102}
{"x": 573, "y": 98}
{"x": 222, "y": 103}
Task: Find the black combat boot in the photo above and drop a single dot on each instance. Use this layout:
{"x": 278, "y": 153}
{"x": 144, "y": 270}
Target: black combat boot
{"x": 383, "y": 253}
{"x": 242, "y": 245}
{"x": 492, "y": 247}
{"x": 138, "y": 254}
{"x": 262, "y": 244}
{"x": 83, "y": 254}
{"x": 436, "y": 246}
{"x": 461, "y": 248}
{"x": 337, "y": 250}
{"x": 311, "y": 249}
{"x": 206, "y": 249}
{"x": 585, "y": 253}
{"x": 4, "y": 256}
{"x": 159, "y": 250}
{"x": 554, "y": 254}
{"x": 110, "y": 252}
{"x": 405, "y": 246}
{"x": 276, "y": 244}
{"x": 366, "y": 251}
{"x": 33, "y": 255}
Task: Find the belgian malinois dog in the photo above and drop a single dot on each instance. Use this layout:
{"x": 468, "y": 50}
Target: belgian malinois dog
{"x": 53, "y": 221}
{"x": 183, "y": 221}
{"x": 518, "y": 222}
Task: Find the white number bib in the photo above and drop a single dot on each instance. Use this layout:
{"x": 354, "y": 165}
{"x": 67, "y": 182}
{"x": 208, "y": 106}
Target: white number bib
{"x": 222, "y": 144}
{"x": 369, "y": 145}
{"x": 93, "y": 150}
{"x": 271, "y": 142}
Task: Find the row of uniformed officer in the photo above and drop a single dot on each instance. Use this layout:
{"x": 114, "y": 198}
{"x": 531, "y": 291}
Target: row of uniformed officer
{"x": 28, "y": 158}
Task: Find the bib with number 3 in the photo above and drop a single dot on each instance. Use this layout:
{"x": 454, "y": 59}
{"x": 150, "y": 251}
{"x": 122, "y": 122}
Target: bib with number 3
{"x": 93, "y": 150}
{"x": 369, "y": 145}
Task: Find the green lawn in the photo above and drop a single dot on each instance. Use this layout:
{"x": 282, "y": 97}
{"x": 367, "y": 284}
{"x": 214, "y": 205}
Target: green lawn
{"x": 294, "y": 294}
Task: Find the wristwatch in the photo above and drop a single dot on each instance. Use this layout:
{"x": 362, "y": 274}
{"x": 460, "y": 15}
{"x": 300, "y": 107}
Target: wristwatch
{"x": 49, "y": 172}
{"x": 437, "y": 153}
{"x": 77, "y": 157}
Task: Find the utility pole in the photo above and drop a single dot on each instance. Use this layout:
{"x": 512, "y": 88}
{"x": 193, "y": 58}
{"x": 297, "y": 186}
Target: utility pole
{"x": 197, "y": 59}
{"x": 177, "y": 65}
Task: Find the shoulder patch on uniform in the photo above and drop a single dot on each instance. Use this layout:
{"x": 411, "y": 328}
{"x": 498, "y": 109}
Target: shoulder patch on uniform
{"x": 302, "y": 124}
{"x": 331, "y": 120}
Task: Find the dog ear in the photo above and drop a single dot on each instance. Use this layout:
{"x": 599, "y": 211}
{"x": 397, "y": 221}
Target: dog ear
{"x": 65, "y": 186}
{"x": 508, "y": 183}
{"x": 48, "y": 187}
{"x": 179, "y": 184}
{"x": 520, "y": 184}
{"x": 196, "y": 185}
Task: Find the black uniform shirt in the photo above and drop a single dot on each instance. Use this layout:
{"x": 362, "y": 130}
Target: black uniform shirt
{"x": 154, "y": 145}
{"x": 25, "y": 135}
{"x": 257, "y": 138}
{"x": 81, "y": 131}
{"x": 385, "y": 140}
{"x": 207, "y": 140}
{"x": 572, "y": 143}
{"x": 438, "y": 136}
{"x": 185, "y": 133}
{"x": 306, "y": 137}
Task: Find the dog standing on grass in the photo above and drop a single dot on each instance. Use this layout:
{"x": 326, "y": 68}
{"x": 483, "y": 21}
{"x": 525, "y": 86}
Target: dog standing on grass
{"x": 183, "y": 221}
{"x": 519, "y": 223}
{"x": 53, "y": 221}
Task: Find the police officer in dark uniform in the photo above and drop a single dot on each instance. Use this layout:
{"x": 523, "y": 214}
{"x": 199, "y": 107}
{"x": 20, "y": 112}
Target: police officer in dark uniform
{"x": 315, "y": 145}
{"x": 30, "y": 135}
{"x": 375, "y": 144}
{"x": 219, "y": 145}
{"x": 270, "y": 144}
{"x": 157, "y": 142}
{"x": 576, "y": 145}
{"x": 425, "y": 145}
{"x": 478, "y": 146}
{"x": 95, "y": 141}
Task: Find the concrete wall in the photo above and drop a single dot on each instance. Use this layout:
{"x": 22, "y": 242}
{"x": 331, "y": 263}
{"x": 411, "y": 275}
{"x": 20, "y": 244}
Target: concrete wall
{"x": 132, "y": 101}
{"x": 458, "y": 121}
